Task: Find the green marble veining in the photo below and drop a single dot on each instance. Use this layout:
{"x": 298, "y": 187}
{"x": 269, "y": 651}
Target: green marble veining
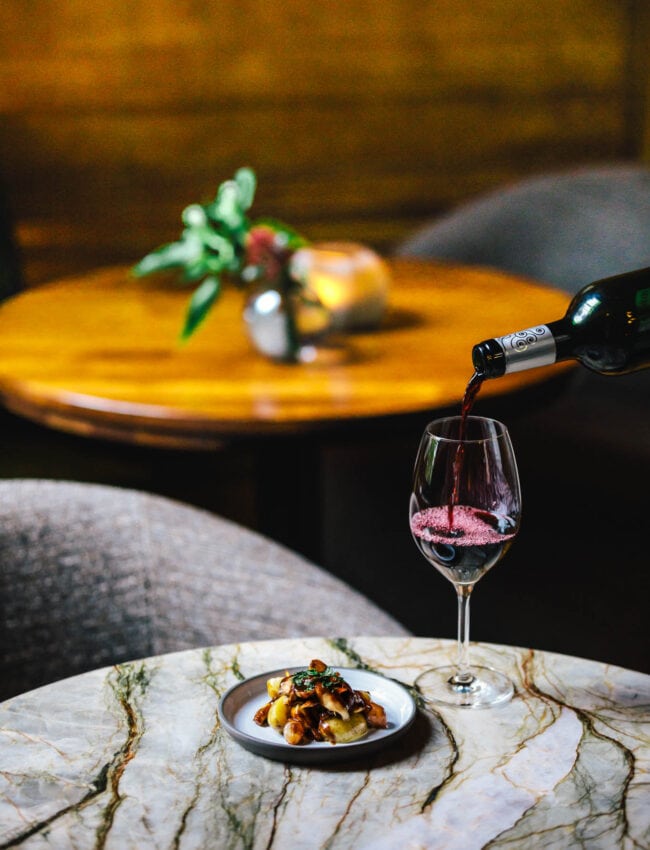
{"x": 135, "y": 757}
{"x": 128, "y": 682}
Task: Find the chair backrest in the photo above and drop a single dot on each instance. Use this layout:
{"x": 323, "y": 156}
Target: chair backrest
{"x": 92, "y": 575}
{"x": 565, "y": 228}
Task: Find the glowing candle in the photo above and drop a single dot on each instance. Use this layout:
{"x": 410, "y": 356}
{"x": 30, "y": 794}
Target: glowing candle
{"x": 349, "y": 279}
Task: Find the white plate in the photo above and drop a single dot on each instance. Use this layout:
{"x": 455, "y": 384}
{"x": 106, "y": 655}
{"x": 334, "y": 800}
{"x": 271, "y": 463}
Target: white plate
{"x": 238, "y": 705}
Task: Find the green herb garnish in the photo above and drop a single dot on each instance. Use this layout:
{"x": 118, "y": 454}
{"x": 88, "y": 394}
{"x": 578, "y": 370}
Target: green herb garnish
{"x": 306, "y": 680}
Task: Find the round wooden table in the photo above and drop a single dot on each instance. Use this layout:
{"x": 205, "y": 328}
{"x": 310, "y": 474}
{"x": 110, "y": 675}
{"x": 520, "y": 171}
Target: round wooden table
{"x": 99, "y": 355}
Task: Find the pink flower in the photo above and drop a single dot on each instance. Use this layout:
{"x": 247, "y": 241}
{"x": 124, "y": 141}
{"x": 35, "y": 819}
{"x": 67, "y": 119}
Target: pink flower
{"x": 266, "y": 252}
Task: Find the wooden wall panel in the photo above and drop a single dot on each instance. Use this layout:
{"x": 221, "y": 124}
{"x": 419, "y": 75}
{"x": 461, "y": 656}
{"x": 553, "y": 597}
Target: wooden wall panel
{"x": 361, "y": 119}
{"x": 175, "y": 54}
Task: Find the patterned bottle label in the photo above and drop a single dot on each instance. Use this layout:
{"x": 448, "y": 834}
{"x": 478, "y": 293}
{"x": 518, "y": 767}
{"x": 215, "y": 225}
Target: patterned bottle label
{"x": 528, "y": 349}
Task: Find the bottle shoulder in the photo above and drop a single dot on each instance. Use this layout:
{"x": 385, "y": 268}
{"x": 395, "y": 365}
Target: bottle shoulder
{"x": 609, "y": 323}
{"x": 625, "y": 294}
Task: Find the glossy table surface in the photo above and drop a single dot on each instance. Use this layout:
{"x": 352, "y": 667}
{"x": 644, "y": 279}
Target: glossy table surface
{"x": 99, "y": 355}
{"x": 135, "y": 757}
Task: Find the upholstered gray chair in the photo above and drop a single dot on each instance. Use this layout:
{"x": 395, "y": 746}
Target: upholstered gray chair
{"x": 92, "y": 575}
{"x": 566, "y": 228}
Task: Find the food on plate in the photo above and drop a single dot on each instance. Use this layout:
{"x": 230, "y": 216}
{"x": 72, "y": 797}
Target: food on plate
{"x": 317, "y": 704}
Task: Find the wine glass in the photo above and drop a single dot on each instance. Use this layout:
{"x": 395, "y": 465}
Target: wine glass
{"x": 465, "y": 511}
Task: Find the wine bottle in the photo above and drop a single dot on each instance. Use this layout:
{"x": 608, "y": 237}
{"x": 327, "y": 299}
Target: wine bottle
{"x": 606, "y": 328}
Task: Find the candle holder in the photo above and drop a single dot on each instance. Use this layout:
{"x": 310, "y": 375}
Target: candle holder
{"x": 350, "y": 280}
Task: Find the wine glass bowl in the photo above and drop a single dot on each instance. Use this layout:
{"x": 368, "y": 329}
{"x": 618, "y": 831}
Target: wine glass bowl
{"x": 465, "y": 512}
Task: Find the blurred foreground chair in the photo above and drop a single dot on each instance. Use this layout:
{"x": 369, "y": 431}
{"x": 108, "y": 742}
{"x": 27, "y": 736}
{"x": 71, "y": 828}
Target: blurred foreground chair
{"x": 92, "y": 575}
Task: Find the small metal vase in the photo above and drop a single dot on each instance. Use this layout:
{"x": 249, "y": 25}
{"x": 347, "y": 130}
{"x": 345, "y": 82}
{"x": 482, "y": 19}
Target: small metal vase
{"x": 285, "y": 325}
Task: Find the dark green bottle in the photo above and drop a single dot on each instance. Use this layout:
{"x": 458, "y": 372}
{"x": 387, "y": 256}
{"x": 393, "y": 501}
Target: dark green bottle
{"x": 606, "y": 328}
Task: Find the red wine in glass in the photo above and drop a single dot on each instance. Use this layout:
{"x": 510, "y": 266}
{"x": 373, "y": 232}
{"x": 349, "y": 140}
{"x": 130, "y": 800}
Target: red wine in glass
{"x": 466, "y": 550}
{"x": 464, "y": 512}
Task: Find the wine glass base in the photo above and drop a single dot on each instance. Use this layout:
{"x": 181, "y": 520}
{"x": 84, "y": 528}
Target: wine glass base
{"x": 485, "y": 688}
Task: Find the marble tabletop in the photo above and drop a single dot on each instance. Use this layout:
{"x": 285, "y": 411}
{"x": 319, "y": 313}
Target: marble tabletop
{"x": 134, "y": 756}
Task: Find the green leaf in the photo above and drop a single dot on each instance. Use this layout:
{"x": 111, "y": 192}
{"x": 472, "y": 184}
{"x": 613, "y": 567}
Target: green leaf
{"x": 196, "y": 271}
{"x": 194, "y": 216}
{"x": 222, "y": 246}
{"x": 202, "y": 299}
{"x": 247, "y": 183}
{"x": 173, "y": 255}
{"x": 226, "y": 206}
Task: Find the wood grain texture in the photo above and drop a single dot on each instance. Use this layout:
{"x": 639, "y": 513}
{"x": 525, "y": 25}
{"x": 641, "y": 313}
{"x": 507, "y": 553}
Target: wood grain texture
{"x": 360, "y": 119}
{"x": 99, "y": 355}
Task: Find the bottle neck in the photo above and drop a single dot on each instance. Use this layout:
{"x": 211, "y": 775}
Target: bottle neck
{"x": 564, "y": 339}
{"x": 541, "y": 345}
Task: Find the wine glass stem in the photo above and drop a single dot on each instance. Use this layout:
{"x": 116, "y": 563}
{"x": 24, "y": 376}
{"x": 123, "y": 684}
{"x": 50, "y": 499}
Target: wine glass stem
{"x": 463, "y": 674}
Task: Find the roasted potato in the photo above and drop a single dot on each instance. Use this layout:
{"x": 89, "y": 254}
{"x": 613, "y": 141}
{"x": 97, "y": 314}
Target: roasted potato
{"x": 343, "y": 731}
{"x": 279, "y": 712}
{"x": 273, "y": 686}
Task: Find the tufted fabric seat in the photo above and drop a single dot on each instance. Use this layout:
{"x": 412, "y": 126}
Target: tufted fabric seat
{"x": 91, "y": 575}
